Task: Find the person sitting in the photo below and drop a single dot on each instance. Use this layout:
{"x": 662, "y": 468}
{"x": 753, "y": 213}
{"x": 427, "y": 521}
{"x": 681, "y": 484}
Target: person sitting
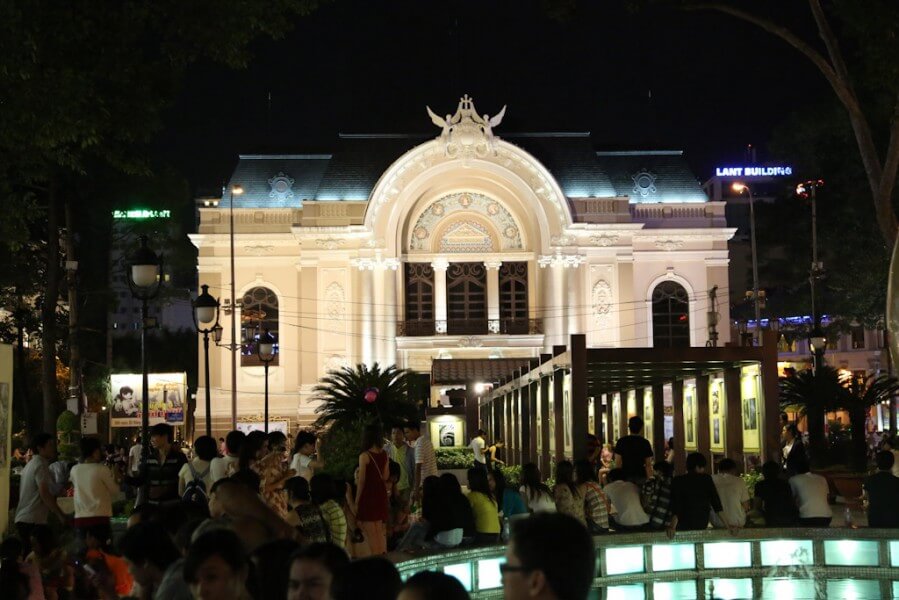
{"x": 312, "y": 571}
{"x": 323, "y": 493}
{"x": 457, "y": 505}
{"x": 734, "y": 495}
{"x": 568, "y": 497}
{"x": 882, "y": 491}
{"x": 216, "y": 566}
{"x": 305, "y": 516}
{"x": 510, "y": 502}
{"x": 625, "y": 498}
{"x": 549, "y": 556}
{"x": 596, "y": 505}
{"x": 693, "y": 496}
{"x": 536, "y": 495}
{"x": 483, "y": 507}
{"x": 149, "y": 551}
{"x": 657, "y": 495}
{"x": 774, "y": 499}
{"x": 810, "y": 491}
{"x": 436, "y": 521}
{"x": 432, "y": 585}
{"x": 606, "y": 462}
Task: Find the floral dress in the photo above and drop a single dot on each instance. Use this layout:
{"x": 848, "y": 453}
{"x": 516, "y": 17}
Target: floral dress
{"x": 570, "y": 503}
{"x": 271, "y": 467}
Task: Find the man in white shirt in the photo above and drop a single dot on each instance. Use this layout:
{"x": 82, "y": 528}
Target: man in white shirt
{"x": 425, "y": 458}
{"x": 303, "y": 462}
{"x": 134, "y": 458}
{"x": 218, "y": 467}
{"x": 811, "y": 492}
{"x": 734, "y": 496}
{"x": 625, "y": 498}
{"x": 36, "y": 500}
{"x": 95, "y": 487}
{"x": 478, "y": 446}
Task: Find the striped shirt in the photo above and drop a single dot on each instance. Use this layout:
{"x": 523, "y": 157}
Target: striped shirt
{"x": 658, "y": 491}
{"x": 595, "y": 507}
{"x": 336, "y": 521}
{"x": 425, "y": 456}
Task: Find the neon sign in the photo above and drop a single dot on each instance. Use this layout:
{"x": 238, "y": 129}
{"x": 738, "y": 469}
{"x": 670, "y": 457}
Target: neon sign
{"x": 141, "y": 214}
{"x": 778, "y": 171}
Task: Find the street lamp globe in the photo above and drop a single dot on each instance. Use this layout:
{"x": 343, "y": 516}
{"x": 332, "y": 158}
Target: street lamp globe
{"x": 205, "y": 307}
{"x": 817, "y": 341}
{"x": 144, "y": 266}
{"x": 217, "y": 333}
{"x": 266, "y": 347}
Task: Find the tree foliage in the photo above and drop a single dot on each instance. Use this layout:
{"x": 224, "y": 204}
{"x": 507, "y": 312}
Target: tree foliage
{"x": 342, "y": 396}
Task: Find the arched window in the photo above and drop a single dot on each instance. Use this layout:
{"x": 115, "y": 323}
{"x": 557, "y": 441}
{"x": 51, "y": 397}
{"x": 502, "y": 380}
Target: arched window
{"x": 670, "y": 316}
{"x": 466, "y": 299}
{"x": 259, "y": 312}
{"x": 513, "y": 297}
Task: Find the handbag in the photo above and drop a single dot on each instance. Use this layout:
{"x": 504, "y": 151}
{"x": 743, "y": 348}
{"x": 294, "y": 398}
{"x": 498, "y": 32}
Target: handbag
{"x": 358, "y": 536}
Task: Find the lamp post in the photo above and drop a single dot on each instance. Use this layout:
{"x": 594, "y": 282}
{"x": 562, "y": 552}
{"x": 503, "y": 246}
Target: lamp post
{"x": 145, "y": 281}
{"x": 808, "y": 189}
{"x": 206, "y": 312}
{"x": 265, "y": 350}
{"x": 817, "y": 343}
{"x": 740, "y": 188}
{"x": 236, "y": 190}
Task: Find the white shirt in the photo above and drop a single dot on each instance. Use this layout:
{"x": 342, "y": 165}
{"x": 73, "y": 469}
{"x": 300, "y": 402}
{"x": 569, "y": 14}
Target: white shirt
{"x": 733, "y": 493}
{"x": 478, "y": 445}
{"x": 810, "y": 491}
{"x": 31, "y": 507}
{"x": 625, "y": 499}
{"x": 134, "y": 459}
{"x": 218, "y": 468}
{"x": 200, "y": 466}
{"x": 787, "y": 448}
{"x": 540, "y": 502}
{"x": 424, "y": 456}
{"x": 94, "y": 490}
{"x": 300, "y": 464}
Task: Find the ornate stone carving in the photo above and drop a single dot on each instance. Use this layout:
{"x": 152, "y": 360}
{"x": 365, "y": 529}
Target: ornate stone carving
{"x": 259, "y": 250}
{"x": 604, "y": 239}
{"x": 669, "y": 244}
{"x": 644, "y": 183}
{"x": 370, "y": 264}
{"x": 467, "y": 134}
{"x": 281, "y": 186}
{"x": 335, "y": 301}
{"x": 453, "y": 206}
{"x": 471, "y": 342}
{"x": 493, "y": 326}
{"x": 561, "y": 260}
{"x": 330, "y": 243}
{"x": 563, "y": 240}
{"x": 440, "y": 327}
{"x": 602, "y": 302}
{"x": 466, "y": 236}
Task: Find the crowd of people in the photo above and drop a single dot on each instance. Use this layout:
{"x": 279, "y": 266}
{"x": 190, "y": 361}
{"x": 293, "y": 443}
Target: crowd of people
{"x": 247, "y": 517}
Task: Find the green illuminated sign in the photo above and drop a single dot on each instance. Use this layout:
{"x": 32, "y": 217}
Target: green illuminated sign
{"x": 138, "y": 214}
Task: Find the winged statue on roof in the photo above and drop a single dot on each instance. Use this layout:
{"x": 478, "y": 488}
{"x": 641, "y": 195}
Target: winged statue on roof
{"x": 467, "y": 134}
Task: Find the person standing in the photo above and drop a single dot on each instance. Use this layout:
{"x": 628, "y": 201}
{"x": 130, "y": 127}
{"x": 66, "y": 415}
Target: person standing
{"x": 94, "y": 491}
{"x": 734, "y": 495}
{"x": 425, "y": 458}
{"x": 221, "y": 465}
{"x": 160, "y": 474}
{"x": 198, "y": 470}
{"x": 693, "y": 496}
{"x": 305, "y": 449}
{"x": 273, "y": 473}
{"x": 882, "y": 491}
{"x": 402, "y": 454}
{"x": 134, "y": 458}
{"x": 492, "y": 461}
{"x": 657, "y": 495}
{"x": 479, "y": 447}
{"x": 810, "y": 491}
{"x": 36, "y": 501}
{"x": 372, "y": 510}
{"x": 633, "y": 453}
{"x": 795, "y": 457}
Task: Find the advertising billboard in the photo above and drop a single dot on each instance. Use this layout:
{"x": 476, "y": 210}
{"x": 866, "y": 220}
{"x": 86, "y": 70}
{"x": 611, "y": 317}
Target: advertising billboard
{"x": 168, "y": 392}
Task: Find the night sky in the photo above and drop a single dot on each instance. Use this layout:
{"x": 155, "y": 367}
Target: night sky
{"x": 371, "y": 66}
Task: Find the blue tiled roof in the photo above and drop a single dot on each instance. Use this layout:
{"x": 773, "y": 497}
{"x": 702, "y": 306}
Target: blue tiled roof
{"x": 351, "y": 171}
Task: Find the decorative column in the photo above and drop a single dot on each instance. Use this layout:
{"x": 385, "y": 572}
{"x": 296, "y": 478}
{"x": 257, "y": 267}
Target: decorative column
{"x": 366, "y": 268}
{"x": 556, "y": 312}
{"x": 391, "y": 266}
{"x": 440, "y": 266}
{"x": 492, "y": 267}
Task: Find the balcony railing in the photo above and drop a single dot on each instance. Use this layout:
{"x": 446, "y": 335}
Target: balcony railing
{"x": 421, "y": 327}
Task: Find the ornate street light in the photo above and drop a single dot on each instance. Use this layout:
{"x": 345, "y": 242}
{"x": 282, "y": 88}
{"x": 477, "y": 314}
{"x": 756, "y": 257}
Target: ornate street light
{"x": 817, "y": 343}
{"x": 206, "y": 320}
{"x": 265, "y": 350}
{"x": 145, "y": 281}
{"x": 740, "y": 188}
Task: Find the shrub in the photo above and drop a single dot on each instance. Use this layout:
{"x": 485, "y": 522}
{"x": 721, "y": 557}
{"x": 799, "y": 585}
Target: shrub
{"x": 340, "y": 449}
{"x": 512, "y": 475}
{"x": 454, "y": 458}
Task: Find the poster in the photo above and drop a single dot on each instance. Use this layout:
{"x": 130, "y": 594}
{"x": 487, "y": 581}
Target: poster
{"x": 717, "y": 403}
{"x": 690, "y": 431}
{"x": 648, "y": 416}
{"x": 566, "y": 413}
{"x": 166, "y": 399}
{"x": 539, "y": 405}
{"x": 749, "y": 393}
{"x": 616, "y": 417}
{"x": 447, "y": 431}
{"x": 258, "y": 425}
{"x": 551, "y": 418}
{"x": 591, "y": 415}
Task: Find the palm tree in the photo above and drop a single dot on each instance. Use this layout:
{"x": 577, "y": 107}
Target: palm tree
{"x": 814, "y": 394}
{"x": 865, "y": 393}
{"x": 347, "y": 400}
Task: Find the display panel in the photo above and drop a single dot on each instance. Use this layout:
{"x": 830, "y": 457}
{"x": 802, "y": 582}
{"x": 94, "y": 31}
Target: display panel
{"x": 462, "y": 572}
{"x": 729, "y": 589}
{"x": 670, "y": 557}
{"x": 786, "y": 552}
{"x": 750, "y": 402}
{"x": 717, "y": 413}
{"x": 624, "y": 559}
{"x": 489, "y": 576}
{"x": 851, "y": 553}
{"x": 674, "y": 590}
{"x": 648, "y": 416}
{"x": 690, "y": 428}
{"x": 727, "y": 555}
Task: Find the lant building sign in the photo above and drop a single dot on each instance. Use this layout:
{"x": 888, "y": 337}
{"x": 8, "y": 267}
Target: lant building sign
{"x": 777, "y": 171}
{"x": 141, "y": 214}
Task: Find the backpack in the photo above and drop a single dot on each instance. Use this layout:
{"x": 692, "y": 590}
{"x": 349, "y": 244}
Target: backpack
{"x": 195, "y": 490}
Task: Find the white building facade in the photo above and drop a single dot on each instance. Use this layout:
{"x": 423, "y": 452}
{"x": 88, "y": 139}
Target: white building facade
{"x": 401, "y": 249}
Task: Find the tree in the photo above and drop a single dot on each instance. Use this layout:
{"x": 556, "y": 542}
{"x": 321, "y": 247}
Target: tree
{"x": 871, "y": 29}
{"x": 815, "y": 393}
{"x": 865, "y": 393}
{"x": 364, "y": 395}
{"x": 87, "y": 84}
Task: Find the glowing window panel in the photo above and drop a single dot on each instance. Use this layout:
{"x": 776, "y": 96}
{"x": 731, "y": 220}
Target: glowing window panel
{"x": 625, "y": 559}
{"x": 727, "y": 555}
{"x": 783, "y": 587}
{"x": 633, "y": 591}
{"x": 786, "y": 552}
{"x": 851, "y": 553}
{"x": 894, "y": 554}
{"x": 674, "y": 590}
{"x": 729, "y": 589}
{"x": 489, "y": 576}
{"x": 853, "y": 589}
{"x": 462, "y": 572}
{"x": 670, "y": 557}
{"x": 896, "y": 589}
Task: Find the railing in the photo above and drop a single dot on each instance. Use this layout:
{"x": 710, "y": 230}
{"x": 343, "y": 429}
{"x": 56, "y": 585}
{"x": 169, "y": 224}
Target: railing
{"x": 420, "y": 327}
{"x": 756, "y": 563}
{"x": 521, "y": 326}
{"x": 466, "y": 326}
{"x": 415, "y": 327}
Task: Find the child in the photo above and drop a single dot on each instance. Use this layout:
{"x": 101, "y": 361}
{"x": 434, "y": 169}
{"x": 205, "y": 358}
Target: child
{"x": 98, "y": 550}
